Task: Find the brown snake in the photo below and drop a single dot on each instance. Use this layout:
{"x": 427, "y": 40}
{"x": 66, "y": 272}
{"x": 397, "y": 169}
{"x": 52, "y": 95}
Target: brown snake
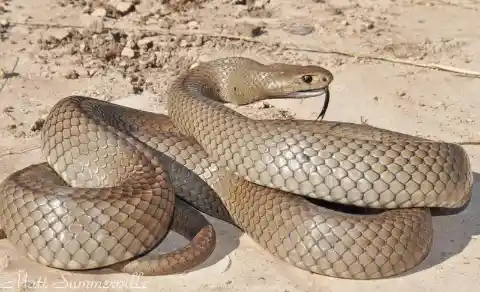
{"x": 107, "y": 192}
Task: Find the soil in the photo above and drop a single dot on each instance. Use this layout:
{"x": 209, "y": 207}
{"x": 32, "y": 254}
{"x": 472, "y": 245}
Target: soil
{"x": 128, "y": 52}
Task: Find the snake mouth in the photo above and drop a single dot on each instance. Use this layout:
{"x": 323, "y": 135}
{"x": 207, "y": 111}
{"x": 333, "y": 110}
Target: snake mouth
{"x": 308, "y": 93}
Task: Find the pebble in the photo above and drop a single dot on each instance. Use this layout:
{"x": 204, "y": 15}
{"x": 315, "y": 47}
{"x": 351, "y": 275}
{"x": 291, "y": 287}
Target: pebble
{"x": 151, "y": 21}
{"x": 193, "y": 24}
{"x": 124, "y": 7}
{"x": 72, "y": 74}
{"x": 86, "y": 9}
{"x": 4, "y": 22}
{"x": 164, "y": 23}
{"x": 130, "y": 44}
{"x": 259, "y": 4}
{"x": 198, "y": 41}
{"x": 262, "y": 105}
{"x": 96, "y": 26}
{"x": 299, "y": 29}
{"x": 99, "y": 12}
{"x": 183, "y": 43}
{"x": 147, "y": 62}
{"x": 128, "y": 52}
{"x": 145, "y": 42}
{"x": 9, "y": 109}
{"x": 248, "y": 29}
{"x": 38, "y": 125}
{"x": 59, "y": 33}
{"x": 164, "y": 10}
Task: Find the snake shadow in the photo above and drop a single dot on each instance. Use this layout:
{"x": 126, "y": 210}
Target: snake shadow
{"x": 227, "y": 240}
{"x": 453, "y": 232}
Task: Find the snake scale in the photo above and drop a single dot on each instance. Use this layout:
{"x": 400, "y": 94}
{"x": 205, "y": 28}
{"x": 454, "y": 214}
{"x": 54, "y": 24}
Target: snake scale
{"x": 117, "y": 179}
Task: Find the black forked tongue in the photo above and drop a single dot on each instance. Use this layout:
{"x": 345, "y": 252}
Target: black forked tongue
{"x": 325, "y": 105}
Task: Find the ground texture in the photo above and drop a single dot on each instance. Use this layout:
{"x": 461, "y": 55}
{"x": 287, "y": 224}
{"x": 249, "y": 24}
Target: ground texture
{"x": 128, "y": 52}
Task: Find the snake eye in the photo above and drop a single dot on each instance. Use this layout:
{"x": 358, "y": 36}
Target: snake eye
{"x": 307, "y": 78}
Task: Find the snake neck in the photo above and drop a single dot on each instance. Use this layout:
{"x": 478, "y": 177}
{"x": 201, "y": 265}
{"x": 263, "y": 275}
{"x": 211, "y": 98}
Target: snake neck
{"x": 196, "y": 99}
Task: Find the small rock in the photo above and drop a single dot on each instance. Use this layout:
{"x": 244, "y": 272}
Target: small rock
{"x": 99, "y": 12}
{"x": 192, "y": 24}
{"x": 164, "y": 10}
{"x": 164, "y": 23}
{"x": 161, "y": 58}
{"x": 2, "y": 9}
{"x": 128, "y": 52}
{"x": 136, "y": 89}
{"x": 146, "y": 62}
{"x": 124, "y": 7}
{"x": 8, "y": 109}
{"x": 249, "y": 29}
{"x": 86, "y": 9}
{"x": 38, "y": 125}
{"x": 262, "y": 105}
{"x": 4, "y": 22}
{"x": 72, "y": 74}
{"x": 96, "y": 26}
{"x": 20, "y": 134}
{"x": 152, "y": 21}
{"x": 258, "y": 4}
{"x": 59, "y": 33}
{"x": 299, "y": 29}
{"x": 335, "y": 10}
{"x": 183, "y": 43}
{"x": 123, "y": 64}
{"x": 145, "y": 42}
{"x": 198, "y": 41}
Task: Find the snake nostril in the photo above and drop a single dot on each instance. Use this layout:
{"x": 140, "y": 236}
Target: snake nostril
{"x": 325, "y": 79}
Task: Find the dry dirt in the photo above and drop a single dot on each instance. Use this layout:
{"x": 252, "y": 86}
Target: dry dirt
{"x": 120, "y": 52}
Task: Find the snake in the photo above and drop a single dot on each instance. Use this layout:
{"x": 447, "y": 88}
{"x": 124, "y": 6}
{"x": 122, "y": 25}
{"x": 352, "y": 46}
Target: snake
{"x": 334, "y": 198}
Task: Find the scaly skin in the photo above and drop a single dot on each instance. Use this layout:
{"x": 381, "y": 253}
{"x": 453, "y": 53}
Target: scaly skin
{"x": 304, "y": 158}
{"x": 235, "y": 169}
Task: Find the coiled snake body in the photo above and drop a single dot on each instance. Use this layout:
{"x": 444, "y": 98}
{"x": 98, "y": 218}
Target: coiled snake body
{"x": 116, "y": 179}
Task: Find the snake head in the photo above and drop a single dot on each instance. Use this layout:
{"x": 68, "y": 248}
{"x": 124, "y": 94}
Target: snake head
{"x": 241, "y": 81}
{"x": 296, "y": 81}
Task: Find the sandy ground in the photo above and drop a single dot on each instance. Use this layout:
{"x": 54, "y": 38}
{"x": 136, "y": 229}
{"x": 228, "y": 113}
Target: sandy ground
{"x": 133, "y": 67}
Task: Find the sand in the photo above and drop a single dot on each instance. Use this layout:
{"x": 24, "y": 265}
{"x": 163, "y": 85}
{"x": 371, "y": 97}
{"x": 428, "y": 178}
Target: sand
{"x": 51, "y": 63}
